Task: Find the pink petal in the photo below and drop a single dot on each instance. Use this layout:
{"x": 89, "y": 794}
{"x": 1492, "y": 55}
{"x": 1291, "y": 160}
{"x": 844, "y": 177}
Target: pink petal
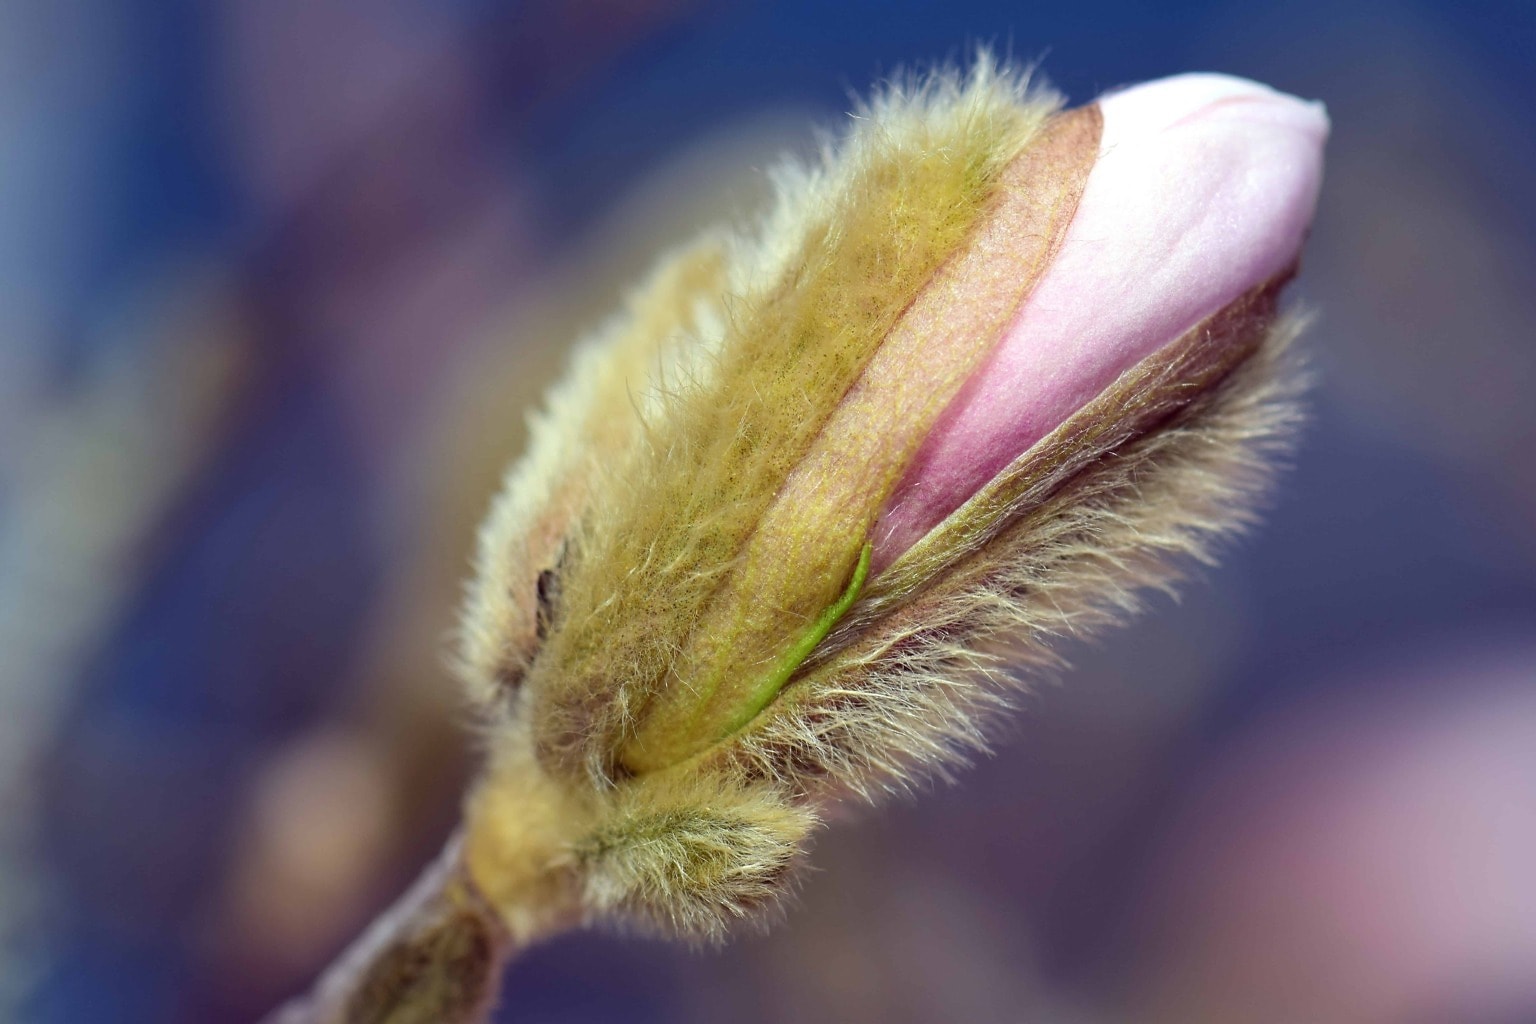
{"x": 1204, "y": 188}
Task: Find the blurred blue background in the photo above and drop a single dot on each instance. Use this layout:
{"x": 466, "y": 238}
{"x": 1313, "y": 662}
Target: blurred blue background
{"x": 277, "y": 280}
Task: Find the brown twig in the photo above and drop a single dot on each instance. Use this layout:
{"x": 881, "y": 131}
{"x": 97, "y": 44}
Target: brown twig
{"x": 435, "y": 957}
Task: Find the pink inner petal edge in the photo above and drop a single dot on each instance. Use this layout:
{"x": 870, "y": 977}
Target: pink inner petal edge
{"x": 1204, "y": 187}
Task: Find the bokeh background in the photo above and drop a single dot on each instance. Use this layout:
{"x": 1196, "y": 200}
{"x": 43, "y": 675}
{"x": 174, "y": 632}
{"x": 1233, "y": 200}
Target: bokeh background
{"x": 278, "y": 279}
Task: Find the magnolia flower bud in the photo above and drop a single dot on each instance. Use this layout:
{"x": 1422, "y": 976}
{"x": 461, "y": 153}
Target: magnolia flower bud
{"x": 985, "y": 372}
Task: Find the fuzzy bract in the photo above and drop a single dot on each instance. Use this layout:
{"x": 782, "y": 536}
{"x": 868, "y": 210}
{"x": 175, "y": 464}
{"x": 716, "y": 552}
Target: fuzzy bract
{"x": 718, "y": 592}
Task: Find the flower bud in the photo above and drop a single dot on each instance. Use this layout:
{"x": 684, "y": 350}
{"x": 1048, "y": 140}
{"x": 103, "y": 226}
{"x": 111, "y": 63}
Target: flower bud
{"x": 985, "y": 372}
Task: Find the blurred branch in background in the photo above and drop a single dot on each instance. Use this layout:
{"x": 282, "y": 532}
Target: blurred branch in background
{"x": 100, "y": 468}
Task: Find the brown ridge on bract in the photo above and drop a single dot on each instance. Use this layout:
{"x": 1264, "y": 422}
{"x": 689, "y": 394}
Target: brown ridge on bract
{"x": 1145, "y": 395}
{"x": 805, "y": 545}
{"x": 1166, "y": 462}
